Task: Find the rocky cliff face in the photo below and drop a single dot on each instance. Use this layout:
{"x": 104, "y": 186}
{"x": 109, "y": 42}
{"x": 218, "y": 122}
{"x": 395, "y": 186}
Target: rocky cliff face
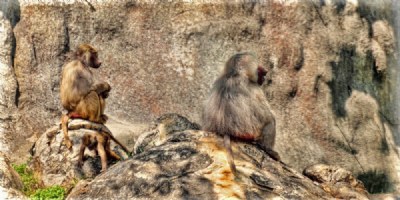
{"x": 331, "y": 63}
{"x": 8, "y": 86}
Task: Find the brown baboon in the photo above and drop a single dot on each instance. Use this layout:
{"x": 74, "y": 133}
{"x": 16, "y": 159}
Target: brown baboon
{"x": 238, "y": 108}
{"x": 99, "y": 141}
{"x": 81, "y": 95}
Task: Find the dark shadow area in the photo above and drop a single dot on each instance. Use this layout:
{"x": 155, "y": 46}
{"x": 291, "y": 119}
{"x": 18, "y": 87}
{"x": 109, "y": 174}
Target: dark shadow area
{"x": 339, "y": 5}
{"x": 342, "y": 80}
{"x": 375, "y": 10}
{"x": 12, "y": 11}
{"x": 356, "y": 72}
{"x": 376, "y": 182}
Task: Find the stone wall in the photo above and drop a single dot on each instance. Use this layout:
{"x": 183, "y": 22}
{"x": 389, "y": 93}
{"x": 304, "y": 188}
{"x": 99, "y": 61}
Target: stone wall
{"x": 330, "y": 62}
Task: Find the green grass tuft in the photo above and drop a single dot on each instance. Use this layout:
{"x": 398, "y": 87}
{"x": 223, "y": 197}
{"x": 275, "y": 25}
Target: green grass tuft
{"x": 27, "y": 178}
{"x": 54, "y": 193}
{"x": 33, "y": 189}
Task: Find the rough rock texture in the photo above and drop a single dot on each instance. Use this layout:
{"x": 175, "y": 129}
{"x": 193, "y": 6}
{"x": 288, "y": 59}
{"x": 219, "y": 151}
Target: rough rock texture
{"x": 187, "y": 164}
{"x": 8, "y": 86}
{"x": 167, "y": 123}
{"x": 54, "y": 164}
{"x": 163, "y": 56}
{"x": 10, "y": 183}
{"x": 337, "y": 181}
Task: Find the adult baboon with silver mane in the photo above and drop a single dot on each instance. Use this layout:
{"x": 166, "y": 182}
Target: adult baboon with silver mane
{"x": 237, "y": 107}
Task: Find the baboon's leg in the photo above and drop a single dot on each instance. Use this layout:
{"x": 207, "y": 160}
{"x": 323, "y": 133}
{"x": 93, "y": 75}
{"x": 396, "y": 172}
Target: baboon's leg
{"x": 92, "y": 107}
{"x": 103, "y": 117}
{"x": 85, "y": 142}
{"x": 64, "y": 127}
{"x": 111, "y": 152}
{"x": 267, "y": 140}
{"x": 101, "y": 151}
{"x": 268, "y": 134}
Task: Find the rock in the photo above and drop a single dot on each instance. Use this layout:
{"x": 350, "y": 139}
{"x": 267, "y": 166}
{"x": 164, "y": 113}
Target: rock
{"x": 161, "y": 57}
{"x": 8, "y": 86}
{"x": 54, "y": 164}
{"x": 127, "y": 132}
{"x": 192, "y": 164}
{"x": 167, "y": 123}
{"x": 10, "y": 182}
{"x": 385, "y": 197}
{"x": 11, "y": 10}
{"x": 337, "y": 181}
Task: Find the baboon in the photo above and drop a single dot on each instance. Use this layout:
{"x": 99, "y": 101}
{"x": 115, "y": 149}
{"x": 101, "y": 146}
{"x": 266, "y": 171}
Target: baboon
{"x": 81, "y": 95}
{"x": 99, "y": 141}
{"x": 238, "y": 108}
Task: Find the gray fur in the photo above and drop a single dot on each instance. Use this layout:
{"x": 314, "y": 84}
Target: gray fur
{"x": 237, "y": 105}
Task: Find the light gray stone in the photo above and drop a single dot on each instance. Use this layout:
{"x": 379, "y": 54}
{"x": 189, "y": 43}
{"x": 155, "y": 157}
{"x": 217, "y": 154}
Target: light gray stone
{"x": 8, "y": 86}
{"x": 162, "y": 56}
{"x": 10, "y": 182}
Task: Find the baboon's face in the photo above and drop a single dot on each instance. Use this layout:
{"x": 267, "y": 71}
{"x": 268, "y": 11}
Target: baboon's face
{"x": 261, "y": 72}
{"x": 254, "y": 72}
{"x": 94, "y": 60}
{"x": 88, "y": 56}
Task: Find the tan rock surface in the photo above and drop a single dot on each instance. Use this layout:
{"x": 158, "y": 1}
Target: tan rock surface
{"x": 163, "y": 57}
{"x": 175, "y": 163}
{"x": 54, "y": 164}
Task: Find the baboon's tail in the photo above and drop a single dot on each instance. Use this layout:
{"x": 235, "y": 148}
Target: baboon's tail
{"x": 119, "y": 143}
{"x": 227, "y": 144}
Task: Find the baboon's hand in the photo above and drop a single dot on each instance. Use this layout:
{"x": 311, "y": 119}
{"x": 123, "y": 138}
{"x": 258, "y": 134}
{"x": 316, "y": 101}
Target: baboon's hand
{"x": 104, "y": 118}
{"x": 102, "y": 88}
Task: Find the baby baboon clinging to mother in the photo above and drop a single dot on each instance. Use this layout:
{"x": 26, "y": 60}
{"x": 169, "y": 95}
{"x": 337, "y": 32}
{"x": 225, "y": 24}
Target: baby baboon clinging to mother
{"x": 81, "y": 95}
{"x": 84, "y": 97}
{"x": 238, "y": 108}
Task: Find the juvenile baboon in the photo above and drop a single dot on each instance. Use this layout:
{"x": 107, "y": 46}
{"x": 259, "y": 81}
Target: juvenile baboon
{"x": 81, "y": 95}
{"x": 238, "y": 108}
{"x": 99, "y": 141}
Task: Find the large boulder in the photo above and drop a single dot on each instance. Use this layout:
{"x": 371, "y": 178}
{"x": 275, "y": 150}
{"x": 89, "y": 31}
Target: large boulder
{"x": 54, "y": 164}
{"x": 337, "y": 181}
{"x": 173, "y": 163}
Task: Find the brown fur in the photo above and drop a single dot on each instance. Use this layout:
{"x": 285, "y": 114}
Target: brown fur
{"x": 80, "y": 94}
{"x": 100, "y": 141}
{"x": 238, "y": 108}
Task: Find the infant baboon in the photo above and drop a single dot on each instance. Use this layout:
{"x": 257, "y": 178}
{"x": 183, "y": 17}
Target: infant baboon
{"x": 81, "y": 95}
{"x": 99, "y": 141}
{"x": 238, "y": 108}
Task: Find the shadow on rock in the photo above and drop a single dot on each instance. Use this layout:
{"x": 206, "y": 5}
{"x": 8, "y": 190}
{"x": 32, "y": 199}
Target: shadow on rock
{"x": 182, "y": 163}
{"x": 54, "y": 164}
